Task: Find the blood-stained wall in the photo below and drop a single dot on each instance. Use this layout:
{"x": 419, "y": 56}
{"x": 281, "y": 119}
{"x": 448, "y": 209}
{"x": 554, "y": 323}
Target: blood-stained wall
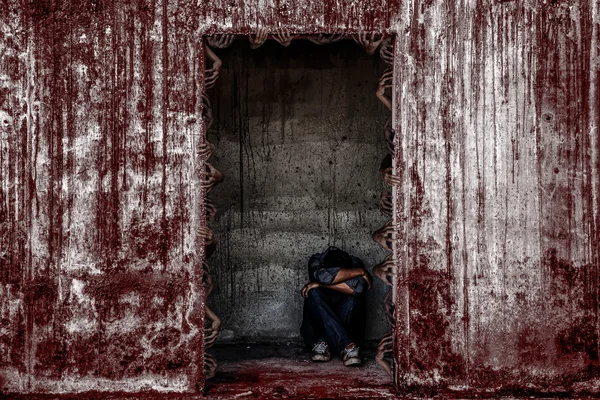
{"x": 100, "y": 284}
{"x": 496, "y": 119}
{"x": 498, "y": 213}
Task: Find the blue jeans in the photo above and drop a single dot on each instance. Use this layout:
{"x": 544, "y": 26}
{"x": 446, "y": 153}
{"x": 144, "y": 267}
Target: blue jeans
{"x": 337, "y": 318}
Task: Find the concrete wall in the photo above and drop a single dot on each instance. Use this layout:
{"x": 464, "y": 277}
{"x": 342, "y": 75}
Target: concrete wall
{"x": 99, "y": 285}
{"x": 497, "y": 105}
{"x": 497, "y": 115}
{"x": 299, "y": 137}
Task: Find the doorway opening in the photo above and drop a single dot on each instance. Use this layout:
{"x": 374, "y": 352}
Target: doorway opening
{"x": 299, "y": 138}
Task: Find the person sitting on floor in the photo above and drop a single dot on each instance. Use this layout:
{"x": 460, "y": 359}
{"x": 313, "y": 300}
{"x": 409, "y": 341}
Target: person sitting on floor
{"x": 334, "y": 305}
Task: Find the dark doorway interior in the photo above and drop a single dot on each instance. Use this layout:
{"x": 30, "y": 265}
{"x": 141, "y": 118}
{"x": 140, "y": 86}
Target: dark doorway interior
{"x": 299, "y": 137}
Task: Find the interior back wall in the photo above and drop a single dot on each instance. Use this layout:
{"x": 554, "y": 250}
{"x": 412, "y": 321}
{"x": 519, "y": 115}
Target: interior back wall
{"x": 299, "y": 136}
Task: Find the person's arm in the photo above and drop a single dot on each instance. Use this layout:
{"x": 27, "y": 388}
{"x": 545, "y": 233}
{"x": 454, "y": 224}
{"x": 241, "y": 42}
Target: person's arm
{"x": 212, "y": 74}
{"x": 212, "y": 177}
{"x": 389, "y": 309}
{"x": 384, "y": 83}
{"x": 284, "y": 37}
{"x": 323, "y": 38}
{"x": 357, "y": 277}
{"x": 210, "y": 240}
{"x": 348, "y": 273}
{"x": 386, "y": 51}
{"x": 211, "y": 209}
{"x": 385, "y": 346}
{"x": 207, "y": 115}
{"x": 386, "y": 235}
{"x": 369, "y": 42}
{"x": 346, "y": 280}
{"x": 319, "y": 273}
{"x": 210, "y": 365}
{"x": 386, "y": 270}
{"x": 339, "y": 287}
{"x": 386, "y": 205}
{"x": 259, "y": 38}
{"x": 220, "y": 41}
{"x": 212, "y": 332}
{"x": 389, "y": 134}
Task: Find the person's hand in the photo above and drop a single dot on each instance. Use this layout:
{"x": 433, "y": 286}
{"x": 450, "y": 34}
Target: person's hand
{"x": 368, "y": 278}
{"x": 208, "y": 235}
{"x": 386, "y": 205}
{"x": 323, "y": 38}
{"x": 388, "y": 309}
{"x": 386, "y": 51}
{"x": 389, "y": 135}
{"x": 386, "y": 270}
{"x": 212, "y": 177}
{"x": 210, "y": 365}
{"x": 212, "y": 332}
{"x": 212, "y": 74}
{"x": 308, "y": 287}
{"x": 211, "y": 210}
{"x": 208, "y": 282}
{"x": 369, "y": 43}
{"x": 385, "y": 81}
{"x": 220, "y": 41}
{"x": 284, "y": 37}
{"x": 385, "y": 235}
{"x": 206, "y": 110}
{"x": 206, "y": 149}
{"x": 390, "y": 179}
{"x": 257, "y": 40}
{"x": 386, "y": 345}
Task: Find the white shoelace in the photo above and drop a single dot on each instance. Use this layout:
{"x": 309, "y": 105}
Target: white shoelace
{"x": 320, "y": 347}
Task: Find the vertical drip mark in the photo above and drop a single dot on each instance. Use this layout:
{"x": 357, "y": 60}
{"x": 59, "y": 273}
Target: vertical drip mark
{"x": 129, "y": 81}
{"x": 71, "y": 141}
{"x": 165, "y": 107}
{"x": 51, "y": 159}
{"x": 537, "y": 104}
{"x": 594, "y": 164}
{"x": 447, "y": 129}
{"x": 497, "y": 47}
{"x": 147, "y": 53}
{"x": 114, "y": 122}
{"x": 504, "y": 81}
{"x": 463, "y": 165}
{"x": 241, "y": 133}
{"x": 33, "y": 130}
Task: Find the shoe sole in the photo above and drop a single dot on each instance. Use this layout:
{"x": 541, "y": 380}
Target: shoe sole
{"x": 353, "y": 361}
{"x": 320, "y": 358}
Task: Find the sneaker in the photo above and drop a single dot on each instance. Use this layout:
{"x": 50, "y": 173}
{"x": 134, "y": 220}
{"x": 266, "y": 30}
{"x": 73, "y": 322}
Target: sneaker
{"x": 321, "y": 352}
{"x": 351, "y": 357}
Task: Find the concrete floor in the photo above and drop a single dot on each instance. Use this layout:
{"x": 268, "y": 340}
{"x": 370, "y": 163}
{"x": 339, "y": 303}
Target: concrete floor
{"x": 284, "y": 371}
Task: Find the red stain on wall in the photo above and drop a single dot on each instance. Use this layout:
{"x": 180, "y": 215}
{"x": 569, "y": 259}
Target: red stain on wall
{"x": 498, "y": 212}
